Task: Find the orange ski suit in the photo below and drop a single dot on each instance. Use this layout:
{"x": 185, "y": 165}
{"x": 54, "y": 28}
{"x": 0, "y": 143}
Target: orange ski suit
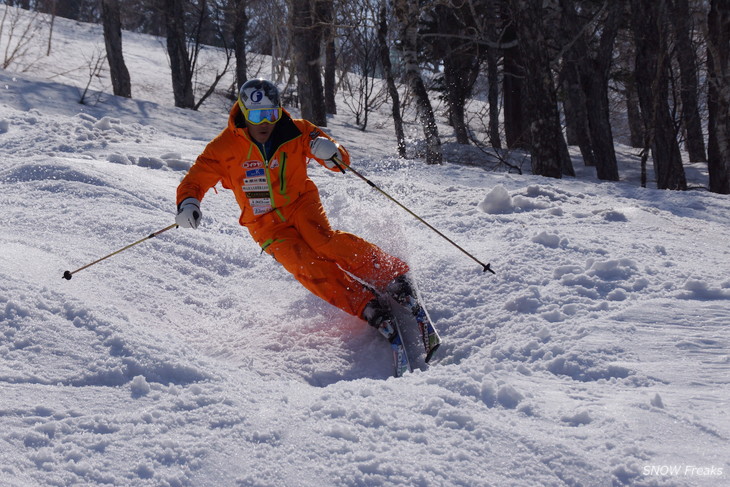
{"x": 281, "y": 208}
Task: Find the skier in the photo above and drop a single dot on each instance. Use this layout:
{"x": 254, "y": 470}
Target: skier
{"x": 262, "y": 155}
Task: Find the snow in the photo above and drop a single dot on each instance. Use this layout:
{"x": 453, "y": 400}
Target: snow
{"x": 596, "y": 356}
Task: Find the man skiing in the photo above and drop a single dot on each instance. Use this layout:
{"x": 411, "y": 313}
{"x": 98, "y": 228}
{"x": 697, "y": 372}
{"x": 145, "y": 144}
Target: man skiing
{"x": 262, "y": 155}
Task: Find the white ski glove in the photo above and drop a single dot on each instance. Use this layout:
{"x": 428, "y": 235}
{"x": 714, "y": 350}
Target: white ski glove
{"x": 188, "y": 213}
{"x": 323, "y": 148}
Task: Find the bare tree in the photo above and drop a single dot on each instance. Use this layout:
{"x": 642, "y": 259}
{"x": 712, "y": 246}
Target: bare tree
{"x": 513, "y": 90}
{"x": 549, "y": 154}
{"x": 588, "y": 62}
{"x": 177, "y": 49}
{"x": 240, "y": 31}
{"x": 575, "y": 101}
{"x": 113, "y": 39}
{"x": 184, "y": 45}
{"x": 306, "y": 39}
{"x": 491, "y": 28}
{"x": 453, "y": 38}
{"x": 650, "y": 27}
{"x": 625, "y": 78}
{"x": 687, "y": 60}
{"x": 18, "y": 32}
{"x": 407, "y": 13}
{"x": 360, "y": 59}
{"x": 53, "y": 5}
{"x": 95, "y": 65}
{"x": 330, "y": 57}
{"x": 718, "y": 60}
{"x": 389, "y": 78}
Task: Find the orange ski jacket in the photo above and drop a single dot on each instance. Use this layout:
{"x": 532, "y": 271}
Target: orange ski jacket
{"x": 260, "y": 182}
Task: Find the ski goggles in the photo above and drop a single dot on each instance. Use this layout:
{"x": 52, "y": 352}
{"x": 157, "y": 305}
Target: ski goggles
{"x": 257, "y": 116}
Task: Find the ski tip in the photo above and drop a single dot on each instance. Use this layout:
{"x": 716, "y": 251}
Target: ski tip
{"x": 67, "y": 275}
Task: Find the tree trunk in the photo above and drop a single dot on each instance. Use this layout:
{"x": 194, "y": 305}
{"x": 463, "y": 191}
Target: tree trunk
{"x": 587, "y": 70}
{"x": 456, "y": 97}
{"x": 626, "y": 56}
{"x": 576, "y": 111}
{"x": 121, "y": 84}
{"x": 695, "y": 143}
{"x": 406, "y": 11}
{"x": 306, "y": 38}
{"x": 493, "y": 97}
{"x": 50, "y": 28}
{"x": 68, "y": 9}
{"x": 330, "y": 59}
{"x": 390, "y": 81}
{"x": 453, "y": 44}
{"x": 240, "y": 30}
{"x": 652, "y": 61}
{"x": 547, "y": 145}
{"x": 182, "y": 76}
{"x": 718, "y": 61}
{"x": 597, "y": 71}
{"x": 513, "y": 91}
{"x": 575, "y": 104}
{"x": 633, "y": 113}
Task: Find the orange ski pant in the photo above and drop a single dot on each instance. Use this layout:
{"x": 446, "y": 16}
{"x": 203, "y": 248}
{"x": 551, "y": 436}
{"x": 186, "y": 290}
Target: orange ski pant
{"x": 300, "y": 238}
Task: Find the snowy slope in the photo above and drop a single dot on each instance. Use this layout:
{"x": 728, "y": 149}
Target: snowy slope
{"x": 596, "y": 356}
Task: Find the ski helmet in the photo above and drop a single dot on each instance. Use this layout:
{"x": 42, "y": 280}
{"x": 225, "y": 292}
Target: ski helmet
{"x": 258, "y": 93}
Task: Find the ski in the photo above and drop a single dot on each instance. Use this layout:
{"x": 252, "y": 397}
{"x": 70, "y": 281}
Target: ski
{"x": 391, "y": 328}
{"x": 412, "y": 301}
{"x": 413, "y": 337}
{"x": 400, "y": 357}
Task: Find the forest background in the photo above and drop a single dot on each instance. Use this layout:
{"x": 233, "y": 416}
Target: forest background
{"x": 511, "y": 75}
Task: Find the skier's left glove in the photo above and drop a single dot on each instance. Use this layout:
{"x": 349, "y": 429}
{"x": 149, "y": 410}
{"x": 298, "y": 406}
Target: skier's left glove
{"x": 324, "y": 149}
{"x": 188, "y": 213}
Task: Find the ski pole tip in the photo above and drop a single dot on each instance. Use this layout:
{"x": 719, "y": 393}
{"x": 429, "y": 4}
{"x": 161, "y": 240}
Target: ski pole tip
{"x": 488, "y": 267}
{"x": 67, "y": 275}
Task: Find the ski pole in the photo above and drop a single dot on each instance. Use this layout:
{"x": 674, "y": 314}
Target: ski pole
{"x": 68, "y": 274}
{"x": 340, "y": 163}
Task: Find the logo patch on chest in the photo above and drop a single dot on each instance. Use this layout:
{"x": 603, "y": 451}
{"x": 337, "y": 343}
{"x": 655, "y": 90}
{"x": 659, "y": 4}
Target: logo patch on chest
{"x": 252, "y": 164}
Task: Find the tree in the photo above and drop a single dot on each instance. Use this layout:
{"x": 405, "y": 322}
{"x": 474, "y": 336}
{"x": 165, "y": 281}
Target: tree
{"x": 183, "y": 56}
{"x": 548, "y": 151}
{"x": 407, "y": 15}
{"x": 360, "y": 59}
{"x": 240, "y": 30}
{"x": 513, "y": 90}
{"x": 687, "y": 60}
{"x": 588, "y": 64}
{"x": 182, "y": 73}
{"x": 718, "y": 66}
{"x": 575, "y": 102}
{"x": 493, "y": 96}
{"x": 452, "y": 39}
{"x": 121, "y": 83}
{"x": 649, "y": 25}
{"x": 330, "y": 56}
{"x": 306, "y": 39}
{"x": 389, "y": 79}
{"x": 17, "y": 33}
{"x": 625, "y": 79}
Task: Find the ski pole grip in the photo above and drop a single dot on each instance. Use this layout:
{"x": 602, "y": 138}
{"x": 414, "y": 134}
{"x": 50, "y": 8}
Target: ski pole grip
{"x": 338, "y": 163}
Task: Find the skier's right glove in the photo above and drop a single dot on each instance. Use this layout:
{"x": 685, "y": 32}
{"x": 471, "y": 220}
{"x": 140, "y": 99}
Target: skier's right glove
{"x": 327, "y": 150}
{"x": 188, "y": 213}
{"x": 323, "y": 148}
